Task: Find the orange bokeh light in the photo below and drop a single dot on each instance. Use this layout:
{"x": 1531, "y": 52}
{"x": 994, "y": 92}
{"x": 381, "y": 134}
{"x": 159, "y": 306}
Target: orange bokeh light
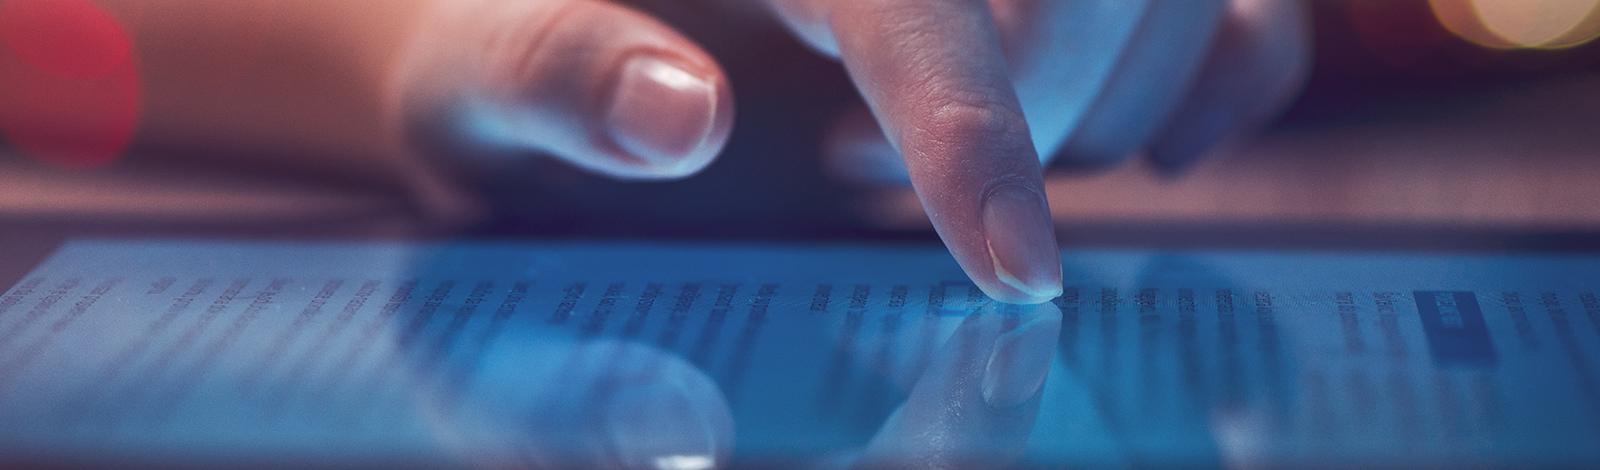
{"x": 1513, "y": 24}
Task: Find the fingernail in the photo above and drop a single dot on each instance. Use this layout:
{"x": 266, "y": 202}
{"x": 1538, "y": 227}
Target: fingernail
{"x": 1020, "y": 362}
{"x": 1022, "y": 244}
{"x": 662, "y": 112}
{"x": 657, "y": 425}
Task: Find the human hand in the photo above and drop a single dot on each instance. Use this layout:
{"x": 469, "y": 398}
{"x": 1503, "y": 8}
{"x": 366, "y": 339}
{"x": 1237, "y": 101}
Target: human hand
{"x": 974, "y": 94}
{"x": 397, "y": 97}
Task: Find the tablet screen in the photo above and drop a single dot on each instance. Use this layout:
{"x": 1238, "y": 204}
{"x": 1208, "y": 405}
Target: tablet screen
{"x": 699, "y": 356}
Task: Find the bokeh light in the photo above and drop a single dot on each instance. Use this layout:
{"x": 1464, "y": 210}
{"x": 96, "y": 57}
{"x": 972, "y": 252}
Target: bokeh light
{"x": 1513, "y": 24}
{"x": 69, "y": 82}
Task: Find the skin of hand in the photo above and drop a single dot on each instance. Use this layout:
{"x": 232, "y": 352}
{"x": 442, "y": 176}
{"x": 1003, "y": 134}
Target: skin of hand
{"x": 974, "y": 95}
{"x": 965, "y": 99}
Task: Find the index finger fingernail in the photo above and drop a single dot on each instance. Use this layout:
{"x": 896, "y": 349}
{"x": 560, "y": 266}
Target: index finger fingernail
{"x": 1022, "y": 244}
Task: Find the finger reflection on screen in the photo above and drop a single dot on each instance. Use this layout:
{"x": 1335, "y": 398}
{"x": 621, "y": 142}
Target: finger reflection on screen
{"x": 572, "y": 403}
{"x": 975, "y": 403}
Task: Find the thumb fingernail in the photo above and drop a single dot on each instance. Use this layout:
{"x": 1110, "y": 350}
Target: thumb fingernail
{"x": 662, "y": 111}
{"x": 1020, "y": 362}
{"x": 659, "y": 426}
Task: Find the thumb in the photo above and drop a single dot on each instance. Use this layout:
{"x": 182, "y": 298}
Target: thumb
{"x": 598, "y": 85}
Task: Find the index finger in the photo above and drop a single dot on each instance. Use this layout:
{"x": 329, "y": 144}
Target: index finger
{"x": 935, "y": 76}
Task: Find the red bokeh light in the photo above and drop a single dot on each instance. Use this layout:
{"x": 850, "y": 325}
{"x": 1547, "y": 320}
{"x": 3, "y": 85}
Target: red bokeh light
{"x": 69, "y": 82}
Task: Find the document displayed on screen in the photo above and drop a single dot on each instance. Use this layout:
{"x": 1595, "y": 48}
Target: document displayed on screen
{"x": 368, "y": 349}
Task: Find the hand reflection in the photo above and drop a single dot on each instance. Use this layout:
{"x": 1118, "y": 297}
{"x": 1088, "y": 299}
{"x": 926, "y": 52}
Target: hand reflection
{"x": 975, "y": 404}
{"x": 565, "y": 402}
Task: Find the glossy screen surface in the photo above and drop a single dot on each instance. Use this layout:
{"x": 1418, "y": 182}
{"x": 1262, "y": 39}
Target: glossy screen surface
{"x": 693, "y": 356}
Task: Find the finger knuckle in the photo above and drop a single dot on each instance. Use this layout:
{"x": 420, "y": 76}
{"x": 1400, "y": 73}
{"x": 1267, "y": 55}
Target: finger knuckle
{"x": 515, "y": 36}
{"x": 966, "y": 120}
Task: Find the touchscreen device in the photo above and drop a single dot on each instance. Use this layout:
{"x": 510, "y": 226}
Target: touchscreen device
{"x": 682, "y": 356}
